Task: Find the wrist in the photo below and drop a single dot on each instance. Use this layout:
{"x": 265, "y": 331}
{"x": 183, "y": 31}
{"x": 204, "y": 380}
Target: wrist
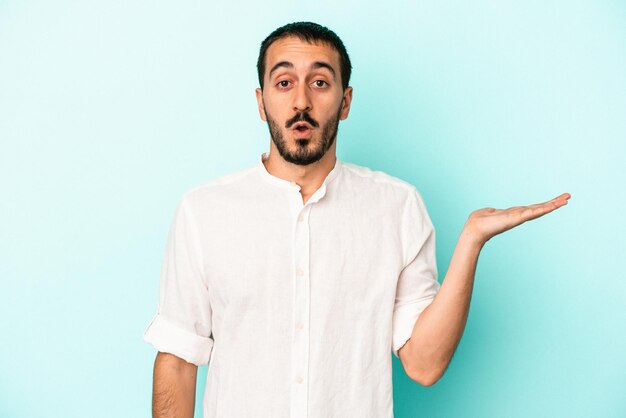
{"x": 471, "y": 237}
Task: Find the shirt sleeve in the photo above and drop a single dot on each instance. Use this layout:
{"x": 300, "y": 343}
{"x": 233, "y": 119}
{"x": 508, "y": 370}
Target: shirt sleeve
{"x": 417, "y": 284}
{"x": 182, "y": 324}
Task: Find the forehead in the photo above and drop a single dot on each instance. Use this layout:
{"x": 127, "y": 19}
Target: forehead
{"x": 300, "y": 53}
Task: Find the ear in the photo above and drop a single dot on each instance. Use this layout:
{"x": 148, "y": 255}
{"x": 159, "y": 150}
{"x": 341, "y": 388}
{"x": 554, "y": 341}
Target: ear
{"x": 259, "y": 99}
{"x": 345, "y": 104}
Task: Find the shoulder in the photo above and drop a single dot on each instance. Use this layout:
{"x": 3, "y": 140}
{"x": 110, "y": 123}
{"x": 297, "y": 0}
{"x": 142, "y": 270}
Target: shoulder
{"x": 237, "y": 179}
{"x": 382, "y": 189}
{"x": 378, "y": 181}
{"x": 220, "y": 188}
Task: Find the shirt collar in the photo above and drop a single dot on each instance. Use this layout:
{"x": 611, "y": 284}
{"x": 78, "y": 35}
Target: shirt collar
{"x": 291, "y": 184}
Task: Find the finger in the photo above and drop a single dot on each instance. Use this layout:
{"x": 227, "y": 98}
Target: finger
{"x": 556, "y": 202}
{"x": 540, "y": 209}
{"x": 559, "y": 200}
{"x": 562, "y": 199}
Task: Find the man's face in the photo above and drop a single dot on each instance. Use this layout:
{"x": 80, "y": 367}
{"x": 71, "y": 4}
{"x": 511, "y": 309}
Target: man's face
{"x": 302, "y": 99}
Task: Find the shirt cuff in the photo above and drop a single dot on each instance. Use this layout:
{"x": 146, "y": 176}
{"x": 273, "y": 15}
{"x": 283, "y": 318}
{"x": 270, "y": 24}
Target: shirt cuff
{"x": 404, "y": 318}
{"x": 166, "y": 337}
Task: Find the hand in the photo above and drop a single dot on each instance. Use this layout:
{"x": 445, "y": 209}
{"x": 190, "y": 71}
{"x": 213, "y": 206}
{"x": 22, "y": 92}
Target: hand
{"x": 484, "y": 224}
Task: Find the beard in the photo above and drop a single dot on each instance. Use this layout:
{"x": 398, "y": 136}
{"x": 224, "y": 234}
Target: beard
{"x": 308, "y": 150}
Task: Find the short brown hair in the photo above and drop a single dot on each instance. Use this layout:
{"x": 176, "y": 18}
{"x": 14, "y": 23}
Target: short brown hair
{"x": 312, "y": 33}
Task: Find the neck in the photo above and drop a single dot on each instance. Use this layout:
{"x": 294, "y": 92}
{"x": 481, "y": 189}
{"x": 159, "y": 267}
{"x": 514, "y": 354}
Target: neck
{"x": 309, "y": 177}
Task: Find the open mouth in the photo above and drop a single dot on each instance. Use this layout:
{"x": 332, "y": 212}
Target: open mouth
{"x": 302, "y": 130}
{"x": 302, "y": 126}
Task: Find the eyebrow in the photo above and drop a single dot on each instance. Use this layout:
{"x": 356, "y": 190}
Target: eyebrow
{"x": 314, "y": 66}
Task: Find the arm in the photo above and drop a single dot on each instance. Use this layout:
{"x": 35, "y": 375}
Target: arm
{"x": 439, "y": 328}
{"x": 174, "y": 390}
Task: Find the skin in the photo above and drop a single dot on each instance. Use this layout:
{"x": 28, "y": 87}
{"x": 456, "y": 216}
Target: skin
{"x": 174, "y": 387}
{"x": 439, "y": 328}
{"x": 300, "y": 87}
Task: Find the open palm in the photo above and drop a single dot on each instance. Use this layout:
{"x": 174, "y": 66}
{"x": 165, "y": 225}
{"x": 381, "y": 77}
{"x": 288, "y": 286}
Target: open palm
{"x": 487, "y": 222}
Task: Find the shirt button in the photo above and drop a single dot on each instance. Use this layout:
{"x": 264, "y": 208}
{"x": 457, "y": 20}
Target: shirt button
{"x": 301, "y": 217}
{"x": 300, "y": 325}
{"x": 299, "y": 272}
{"x": 298, "y": 380}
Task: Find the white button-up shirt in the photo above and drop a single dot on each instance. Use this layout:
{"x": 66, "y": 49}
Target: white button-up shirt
{"x": 296, "y": 307}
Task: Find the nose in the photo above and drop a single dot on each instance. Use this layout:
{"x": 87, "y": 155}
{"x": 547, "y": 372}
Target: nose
{"x": 302, "y": 101}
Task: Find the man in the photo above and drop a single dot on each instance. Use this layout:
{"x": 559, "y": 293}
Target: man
{"x": 293, "y": 279}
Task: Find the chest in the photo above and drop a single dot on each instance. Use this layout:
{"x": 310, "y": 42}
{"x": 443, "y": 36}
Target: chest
{"x": 254, "y": 258}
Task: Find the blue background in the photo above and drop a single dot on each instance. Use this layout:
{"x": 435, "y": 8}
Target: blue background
{"x": 110, "y": 111}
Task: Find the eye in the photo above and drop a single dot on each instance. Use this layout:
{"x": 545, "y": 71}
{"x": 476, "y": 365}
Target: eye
{"x": 320, "y": 83}
{"x": 283, "y": 84}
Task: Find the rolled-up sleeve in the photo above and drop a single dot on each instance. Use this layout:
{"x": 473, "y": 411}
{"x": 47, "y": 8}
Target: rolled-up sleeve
{"x": 182, "y": 323}
{"x": 417, "y": 284}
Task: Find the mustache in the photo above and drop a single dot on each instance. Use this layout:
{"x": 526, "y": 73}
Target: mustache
{"x": 302, "y": 117}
